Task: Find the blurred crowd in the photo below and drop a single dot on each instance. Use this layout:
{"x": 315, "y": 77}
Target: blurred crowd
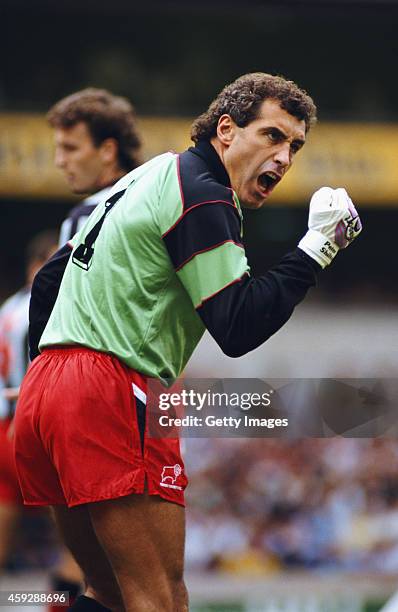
{"x": 257, "y": 506}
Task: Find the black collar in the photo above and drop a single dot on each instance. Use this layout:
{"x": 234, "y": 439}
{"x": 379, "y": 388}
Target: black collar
{"x": 207, "y": 152}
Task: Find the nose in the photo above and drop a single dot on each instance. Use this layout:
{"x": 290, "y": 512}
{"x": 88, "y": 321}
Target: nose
{"x": 282, "y": 155}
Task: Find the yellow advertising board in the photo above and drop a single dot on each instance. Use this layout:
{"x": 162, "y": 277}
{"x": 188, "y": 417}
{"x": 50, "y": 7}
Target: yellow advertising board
{"x": 363, "y": 158}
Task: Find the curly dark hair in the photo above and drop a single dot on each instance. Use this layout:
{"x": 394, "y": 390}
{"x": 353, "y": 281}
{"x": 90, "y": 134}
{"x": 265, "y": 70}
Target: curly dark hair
{"x": 106, "y": 116}
{"x": 242, "y": 100}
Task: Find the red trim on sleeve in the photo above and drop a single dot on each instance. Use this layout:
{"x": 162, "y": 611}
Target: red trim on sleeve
{"x": 195, "y": 206}
{"x": 222, "y": 289}
{"x": 210, "y": 248}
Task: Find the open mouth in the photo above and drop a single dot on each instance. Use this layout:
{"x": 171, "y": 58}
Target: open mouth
{"x": 267, "y": 181}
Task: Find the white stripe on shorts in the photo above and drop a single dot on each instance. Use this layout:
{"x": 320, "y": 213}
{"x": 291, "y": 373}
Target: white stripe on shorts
{"x": 139, "y": 393}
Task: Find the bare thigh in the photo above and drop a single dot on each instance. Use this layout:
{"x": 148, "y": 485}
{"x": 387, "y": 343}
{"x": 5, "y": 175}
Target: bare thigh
{"x": 143, "y": 537}
{"x": 78, "y": 534}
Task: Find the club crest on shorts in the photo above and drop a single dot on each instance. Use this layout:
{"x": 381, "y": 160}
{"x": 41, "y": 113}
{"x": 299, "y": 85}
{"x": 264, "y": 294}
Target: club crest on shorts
{"x": 170, "y": 475}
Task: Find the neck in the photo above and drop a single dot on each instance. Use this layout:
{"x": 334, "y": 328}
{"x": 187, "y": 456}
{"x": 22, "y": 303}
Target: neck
{"x": 109, "y": 178}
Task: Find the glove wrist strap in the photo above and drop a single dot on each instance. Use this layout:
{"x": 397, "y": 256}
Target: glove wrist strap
{"x": 319, "y": 247}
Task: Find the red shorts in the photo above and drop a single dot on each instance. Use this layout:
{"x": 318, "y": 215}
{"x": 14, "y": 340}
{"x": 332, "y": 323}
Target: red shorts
{"x": 81, "y": 433}
{"x": 10, "y": 492}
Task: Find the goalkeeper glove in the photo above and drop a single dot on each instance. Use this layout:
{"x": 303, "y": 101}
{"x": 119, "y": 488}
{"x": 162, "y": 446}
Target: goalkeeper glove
{"x": 333, "y": 223}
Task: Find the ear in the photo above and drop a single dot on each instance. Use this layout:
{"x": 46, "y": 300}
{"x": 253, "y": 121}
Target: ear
{"x": 226, "y": 130}
{"x": 109, "y": 150}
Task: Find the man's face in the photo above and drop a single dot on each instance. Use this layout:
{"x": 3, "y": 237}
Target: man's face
{"x": 81, "y": 161}
{"x": 257, "y": 156}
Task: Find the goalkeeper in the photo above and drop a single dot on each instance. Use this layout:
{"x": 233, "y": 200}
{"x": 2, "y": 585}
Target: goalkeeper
{"x": 154, "y": 266}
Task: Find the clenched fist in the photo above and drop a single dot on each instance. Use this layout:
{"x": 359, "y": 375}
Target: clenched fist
{"x": 333, "y": 223}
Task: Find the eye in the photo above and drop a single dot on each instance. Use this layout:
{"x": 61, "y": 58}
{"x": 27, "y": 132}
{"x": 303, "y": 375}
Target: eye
{"x": 273, "y": 135}
{"x": 295, "y": 147}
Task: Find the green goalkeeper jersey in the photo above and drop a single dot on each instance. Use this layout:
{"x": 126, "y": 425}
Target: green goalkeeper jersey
{"x": 170, "y": 241}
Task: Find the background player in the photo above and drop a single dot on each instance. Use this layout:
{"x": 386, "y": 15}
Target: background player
{"x": 113, "y": 300}
{"x": 14, "y": 359}
{"x": 96, "y": 143}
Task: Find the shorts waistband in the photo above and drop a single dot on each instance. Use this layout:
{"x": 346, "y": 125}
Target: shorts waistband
{"x": 135, "y": 377}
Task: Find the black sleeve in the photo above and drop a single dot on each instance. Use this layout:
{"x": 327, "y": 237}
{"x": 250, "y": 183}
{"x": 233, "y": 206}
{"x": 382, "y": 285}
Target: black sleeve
{"x": 202, "y": 229}
{"x": 45, "y": 289}
{"x": 244, "y": 315}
